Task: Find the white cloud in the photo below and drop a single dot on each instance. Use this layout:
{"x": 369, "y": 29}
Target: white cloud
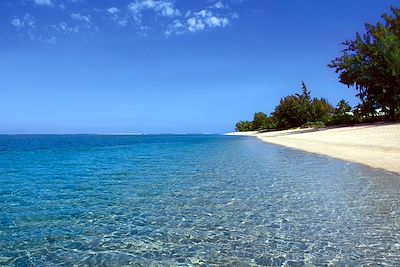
{"x": 209, "y": 19}
{"x": 44, "y": 2}
{"x": 140, "y": 12}
{"x": 113, "y": 10}
{"x": 80, "y": 17}
{"x": 195, "y": 24}
{"x": 64, "y": 27}
{"x": 198, "y": 21}
{"x": 145, "y": 16}
{"x": 27, "y": 25}
{"x": 114, "y": 13}
{"x": 25, "y": 21}
{"x": 122, "y": 22}
{"x": 214, "y": 21}
{"x": 18, "y": 23}
{"x": 79, "y": 24}
{"x": 219, "y": 5}
{"x": 164, "y": 8}
{"x": 51, "y": 41}
{"x": 176, "y": 27}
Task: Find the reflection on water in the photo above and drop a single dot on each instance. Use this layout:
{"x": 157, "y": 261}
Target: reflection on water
{"x": 190, "y": 200}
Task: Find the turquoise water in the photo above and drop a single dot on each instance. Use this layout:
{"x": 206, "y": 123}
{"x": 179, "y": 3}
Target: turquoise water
{"x": 190, "y": 201}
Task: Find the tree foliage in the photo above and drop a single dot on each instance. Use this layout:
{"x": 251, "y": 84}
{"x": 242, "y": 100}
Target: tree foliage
{"x": 341, "y": 114}
{"x": 244, "y": 126}
{"x": 305, "y": 93}
{"x": 292, "y": 111}
{"x": 371, "y": 63}
{"x": 260, "y": 122}
{"x": 342, "y": 107}
{"x": 321, "y": 110}
{"x": 299, "y": 110}
{"x": 260, "y": 119}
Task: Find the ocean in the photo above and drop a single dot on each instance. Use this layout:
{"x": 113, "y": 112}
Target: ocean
{"x": 190, "y": 200}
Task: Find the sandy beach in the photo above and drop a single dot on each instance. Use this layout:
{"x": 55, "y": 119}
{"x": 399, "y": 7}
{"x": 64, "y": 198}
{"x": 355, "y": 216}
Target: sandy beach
{"x": 375, "y": 145}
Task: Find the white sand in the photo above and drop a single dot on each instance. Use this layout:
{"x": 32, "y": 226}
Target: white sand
{"x": 376, "y": 145}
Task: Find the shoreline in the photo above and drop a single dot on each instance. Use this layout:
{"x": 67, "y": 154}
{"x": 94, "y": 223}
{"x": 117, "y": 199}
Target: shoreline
{"x": 374, "y": 145}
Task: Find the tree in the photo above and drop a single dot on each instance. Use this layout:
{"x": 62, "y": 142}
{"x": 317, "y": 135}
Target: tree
{"x": 321, "y": 110}
{"x": 305, "y": 99}
{"x": 260, "y": 121}
{"x": 371, "y": 63}
{"x": 343, "y": 107}
{"x": 291, "y": 112}
{"x": 244, "y": 126}
{"x": 305, "y": 93}
{"x": 341, "y": 115}
{"x": 294, "y": 110}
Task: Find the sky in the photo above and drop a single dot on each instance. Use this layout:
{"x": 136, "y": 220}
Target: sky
{"x": 167, "y": 66}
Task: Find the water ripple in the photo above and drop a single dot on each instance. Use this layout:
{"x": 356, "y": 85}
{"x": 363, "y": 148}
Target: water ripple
{"x": 190, "y": 201}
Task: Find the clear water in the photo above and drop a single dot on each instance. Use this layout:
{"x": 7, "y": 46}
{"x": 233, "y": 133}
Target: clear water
{"x": 190, "y": 200}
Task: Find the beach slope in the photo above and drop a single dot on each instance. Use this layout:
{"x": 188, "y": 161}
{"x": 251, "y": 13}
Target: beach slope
{"x": 375, "y": 145}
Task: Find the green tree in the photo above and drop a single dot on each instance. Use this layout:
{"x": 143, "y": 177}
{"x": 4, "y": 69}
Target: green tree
{"x": 367, "y": 109}
{"x": 306, "y": 94}
{"x": 341, "y": 114}
{"x": 321, "y": 110}
{"x": 244, "y": 126}
{"x": 291, "y": 112}
{"x": 343, "y": 106}
{"x": 371, "y": 63}
{"x": 260, "y": 121}
{"x": 305, "y": 100}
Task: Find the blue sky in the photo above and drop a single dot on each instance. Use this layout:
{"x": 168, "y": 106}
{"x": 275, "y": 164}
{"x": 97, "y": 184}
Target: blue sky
{"x": 165, "y": 66}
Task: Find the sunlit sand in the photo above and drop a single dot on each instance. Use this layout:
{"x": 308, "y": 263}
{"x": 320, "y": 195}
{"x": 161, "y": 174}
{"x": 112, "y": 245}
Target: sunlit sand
{"x": 376, "y": 145}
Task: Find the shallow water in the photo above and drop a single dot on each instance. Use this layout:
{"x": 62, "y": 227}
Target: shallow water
{"x": 190, "y": 200}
